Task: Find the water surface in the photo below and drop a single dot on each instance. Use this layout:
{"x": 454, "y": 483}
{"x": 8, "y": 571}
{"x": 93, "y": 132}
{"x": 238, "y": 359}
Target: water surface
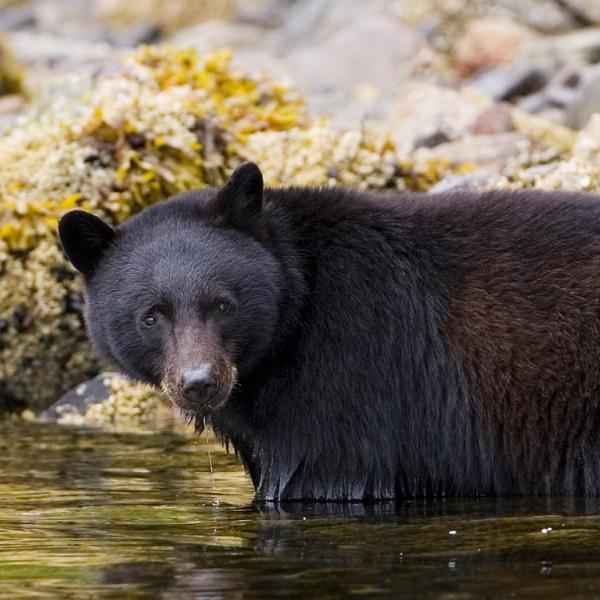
{"x": 91, "y": 514}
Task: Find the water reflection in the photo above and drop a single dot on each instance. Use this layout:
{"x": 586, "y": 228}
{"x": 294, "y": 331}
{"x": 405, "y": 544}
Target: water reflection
{"x": 92, "y": 514}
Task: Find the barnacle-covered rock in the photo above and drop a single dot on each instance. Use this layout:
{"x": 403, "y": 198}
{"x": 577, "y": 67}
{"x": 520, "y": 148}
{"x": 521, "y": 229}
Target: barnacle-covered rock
{"x": 109, "y": 400}
{"x": 169, "y": 121}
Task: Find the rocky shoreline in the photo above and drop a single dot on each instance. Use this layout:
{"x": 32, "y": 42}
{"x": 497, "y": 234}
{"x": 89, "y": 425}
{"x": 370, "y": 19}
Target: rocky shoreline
{"x": 388, "y": 95}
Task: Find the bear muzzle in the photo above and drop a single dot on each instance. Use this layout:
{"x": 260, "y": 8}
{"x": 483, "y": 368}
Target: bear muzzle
{"x": 200, "y": 389}
{"x": 199, "y": 386}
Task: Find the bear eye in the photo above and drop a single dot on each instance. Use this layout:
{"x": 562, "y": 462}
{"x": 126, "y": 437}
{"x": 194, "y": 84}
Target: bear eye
{"x": 150, "y": 320}
{"x": 224, "y": 307}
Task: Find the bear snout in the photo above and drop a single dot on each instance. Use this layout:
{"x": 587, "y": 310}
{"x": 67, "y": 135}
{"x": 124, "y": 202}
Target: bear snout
{"x": 199, "y": 386}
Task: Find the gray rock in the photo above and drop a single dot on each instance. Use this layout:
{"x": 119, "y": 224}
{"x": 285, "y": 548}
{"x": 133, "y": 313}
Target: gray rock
{"x": 512, "y": 81}
{"x": 578, "y": 47}
{"x": 314, "y": 21}
{"x": 492, "y": 153}
{"x": 586, "y": 12}
{"x": 140, "y": 33}
{"x": 209, "y": 35}
{"x": 51, "y": 49}
{"x": 268, "y": 14}
{"x": 469, "y": 181}
{"x": 79, "y": 399}
{"x": 548, "y": 16}
{"x": 346, "y": 82}
{"x": 17, "y": 17}
{"x": 563, "y": 90}
{"x": 587, "y": 102}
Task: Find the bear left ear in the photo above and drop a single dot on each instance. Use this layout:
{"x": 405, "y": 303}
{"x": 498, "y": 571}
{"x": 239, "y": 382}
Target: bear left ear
{"x": 84, "y": 239}
{"x": 239, "y": 202}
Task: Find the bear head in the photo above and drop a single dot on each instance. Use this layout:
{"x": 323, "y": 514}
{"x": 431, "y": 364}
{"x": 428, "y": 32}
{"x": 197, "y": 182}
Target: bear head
{"x": 185, "y": 294}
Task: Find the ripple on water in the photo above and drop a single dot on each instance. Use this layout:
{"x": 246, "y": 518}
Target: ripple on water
{"x": 90, "y": 514}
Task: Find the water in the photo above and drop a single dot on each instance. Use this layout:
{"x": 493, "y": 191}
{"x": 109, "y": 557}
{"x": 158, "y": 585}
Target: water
{"x": 86, "y": 514}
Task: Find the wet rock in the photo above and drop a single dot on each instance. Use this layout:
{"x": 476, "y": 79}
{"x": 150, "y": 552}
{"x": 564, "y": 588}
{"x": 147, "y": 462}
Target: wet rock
{"x": 496, "y": 119}
{"x": 489, "y": 42}
{"x": 469, "y": 181}
{"x": 512, "y": 81}
{"x": 79, "y": 399}
{"x": 110, "y": 400}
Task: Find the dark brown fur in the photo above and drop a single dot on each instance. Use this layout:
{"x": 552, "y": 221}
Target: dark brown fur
{"x": 385, "y": 346}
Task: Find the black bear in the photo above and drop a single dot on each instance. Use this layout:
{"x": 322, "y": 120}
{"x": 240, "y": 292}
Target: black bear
{"x": 356, "y": 346}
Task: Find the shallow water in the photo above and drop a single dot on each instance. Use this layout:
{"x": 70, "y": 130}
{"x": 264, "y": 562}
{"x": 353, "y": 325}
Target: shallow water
{"x": 90, "y": 514}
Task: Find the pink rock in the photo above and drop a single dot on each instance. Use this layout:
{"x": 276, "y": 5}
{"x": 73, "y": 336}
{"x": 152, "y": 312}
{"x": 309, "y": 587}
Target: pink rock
{"x": 489, "y": 42}
{"x": 496, "y": 119}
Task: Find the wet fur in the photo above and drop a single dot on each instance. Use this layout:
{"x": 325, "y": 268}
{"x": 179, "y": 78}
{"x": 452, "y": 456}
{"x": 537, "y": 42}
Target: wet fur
{"x": 424, "y": 345}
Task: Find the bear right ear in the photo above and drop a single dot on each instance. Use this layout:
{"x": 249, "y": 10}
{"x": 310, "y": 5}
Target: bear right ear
{"x": 84, "y": 238}
{"x": 239, "y": 202}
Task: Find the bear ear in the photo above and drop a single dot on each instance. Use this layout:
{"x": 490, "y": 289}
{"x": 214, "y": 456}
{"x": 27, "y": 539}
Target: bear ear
{"x": 84, "y": 238}
{"x": 239, "y": 202}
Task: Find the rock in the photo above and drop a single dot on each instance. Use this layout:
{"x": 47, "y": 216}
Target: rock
{"x": 587, "y": 146}
{"x": 423, "y": 109}
{"x": 578, "y": 47}
{"x": 586, "y": 12}
{"x": 496, "y": 119}
{"x": 17, "y": 17}
{"x": 111, "y": 400}
{"x": 148, "y": 32}
{"x": 334, "y": 71}
{"x": 492, "y": 153}
{"x": 547, "y": 16}
{"x": 586, "y": 102}
{"x": 432, "y": 140}
{"x": 469, "y": 181}
{"x": 50, "y": 49}
{"x": 76, "y": 401}
{"x": 311, "y": 22}
{"x": 268, "y": 14}
{"x": 11, "y": 104}
{"x": 207, "y": 36}
{"x": 512, "y": 81}
{"x": 489, "y": 42}
{"x": 172, "y": 15}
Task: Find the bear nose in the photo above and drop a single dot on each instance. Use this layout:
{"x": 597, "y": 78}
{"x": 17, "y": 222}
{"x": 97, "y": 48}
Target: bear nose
{"x": 199, "y": 385}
